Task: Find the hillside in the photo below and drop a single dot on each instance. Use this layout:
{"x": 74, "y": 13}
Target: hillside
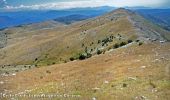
{"x": 114, "y": 56}
{"x": 57, "y": 45}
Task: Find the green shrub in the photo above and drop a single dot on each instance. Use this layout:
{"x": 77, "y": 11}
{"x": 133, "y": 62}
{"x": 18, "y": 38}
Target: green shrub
{"x": 116, "y": 45}
{"x": 99, "y": 41}
{"x": 123, "y": 43}
{"x": 99, "y": 52}
{"x": 72, "y": 58}
{"x": 82, "y": 45}
{"x": 140, "y": 43}
{"x": 137, "y": 40}
{"x": 89, "y": 55}
{"x": 36, "y": 59}
{"x": 82, "y": 57}
{"x": 130, "y": 41}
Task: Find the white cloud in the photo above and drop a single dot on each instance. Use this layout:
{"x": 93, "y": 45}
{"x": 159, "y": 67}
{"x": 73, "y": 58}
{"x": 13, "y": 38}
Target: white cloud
{"x": 4, "y": 1}
{"x": 91, "y": 3}
{"x": 61, "y": 5}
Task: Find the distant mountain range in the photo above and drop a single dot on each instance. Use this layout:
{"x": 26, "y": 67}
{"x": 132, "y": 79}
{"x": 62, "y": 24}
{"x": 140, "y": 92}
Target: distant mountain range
{"x": 158, "y": 16}
{"x": 15, "y": 18}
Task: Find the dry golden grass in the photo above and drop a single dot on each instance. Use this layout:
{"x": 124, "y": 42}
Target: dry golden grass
{"x": 128, "y": 72}
{"x": 57, "y": 45}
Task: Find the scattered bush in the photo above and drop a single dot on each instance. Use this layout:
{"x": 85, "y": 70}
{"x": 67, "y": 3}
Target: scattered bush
{"x": 35, "y": 65}
{"x": 82, "y": 57}
{"x": 36, "y": 59}
{"x": 29, "y": 67}
{"x": 99, "y": 41}
{"x": 82, "y": 45}
{"x": 116, "y": 45}
{"x": 72, "y": 58}
{"x": 105, "y": 40}
{"x": 140, "y": 43}
{"x": 137, "y": 40}
{"x": 123, "y": 43}
{"x": 130, "y": 41}
{"x": 124, "y": 85}
{"x": 110, "y": 40}
{"x": 89, "y": 55}
{"x": 99, "y": 52}
{"x": 103, "y": 44}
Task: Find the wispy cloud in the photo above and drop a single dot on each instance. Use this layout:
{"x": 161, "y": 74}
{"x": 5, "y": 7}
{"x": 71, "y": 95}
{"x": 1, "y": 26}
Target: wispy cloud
{"x": 62, "y": 5}
{"x": 91, "y": 3}
{"x": 3, "y": 3}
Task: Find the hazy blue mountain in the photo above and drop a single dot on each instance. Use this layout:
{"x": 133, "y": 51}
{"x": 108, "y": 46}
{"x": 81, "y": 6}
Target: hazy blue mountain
{"x": 159, "y": 16}
{"x": 72, "y": 18}
{"x": 15, "y": 18}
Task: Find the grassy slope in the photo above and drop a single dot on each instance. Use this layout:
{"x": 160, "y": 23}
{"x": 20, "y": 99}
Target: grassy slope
{"x": 59, "y": 44}
{"x": 118, "y": 74}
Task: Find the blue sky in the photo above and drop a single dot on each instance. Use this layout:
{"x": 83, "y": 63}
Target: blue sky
{"x": 62, "y": 4}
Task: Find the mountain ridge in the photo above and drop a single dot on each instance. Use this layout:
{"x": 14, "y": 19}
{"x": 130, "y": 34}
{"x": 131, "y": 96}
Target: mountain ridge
{"x": 126, "y": 23}
{"x": 110, "y": 57}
